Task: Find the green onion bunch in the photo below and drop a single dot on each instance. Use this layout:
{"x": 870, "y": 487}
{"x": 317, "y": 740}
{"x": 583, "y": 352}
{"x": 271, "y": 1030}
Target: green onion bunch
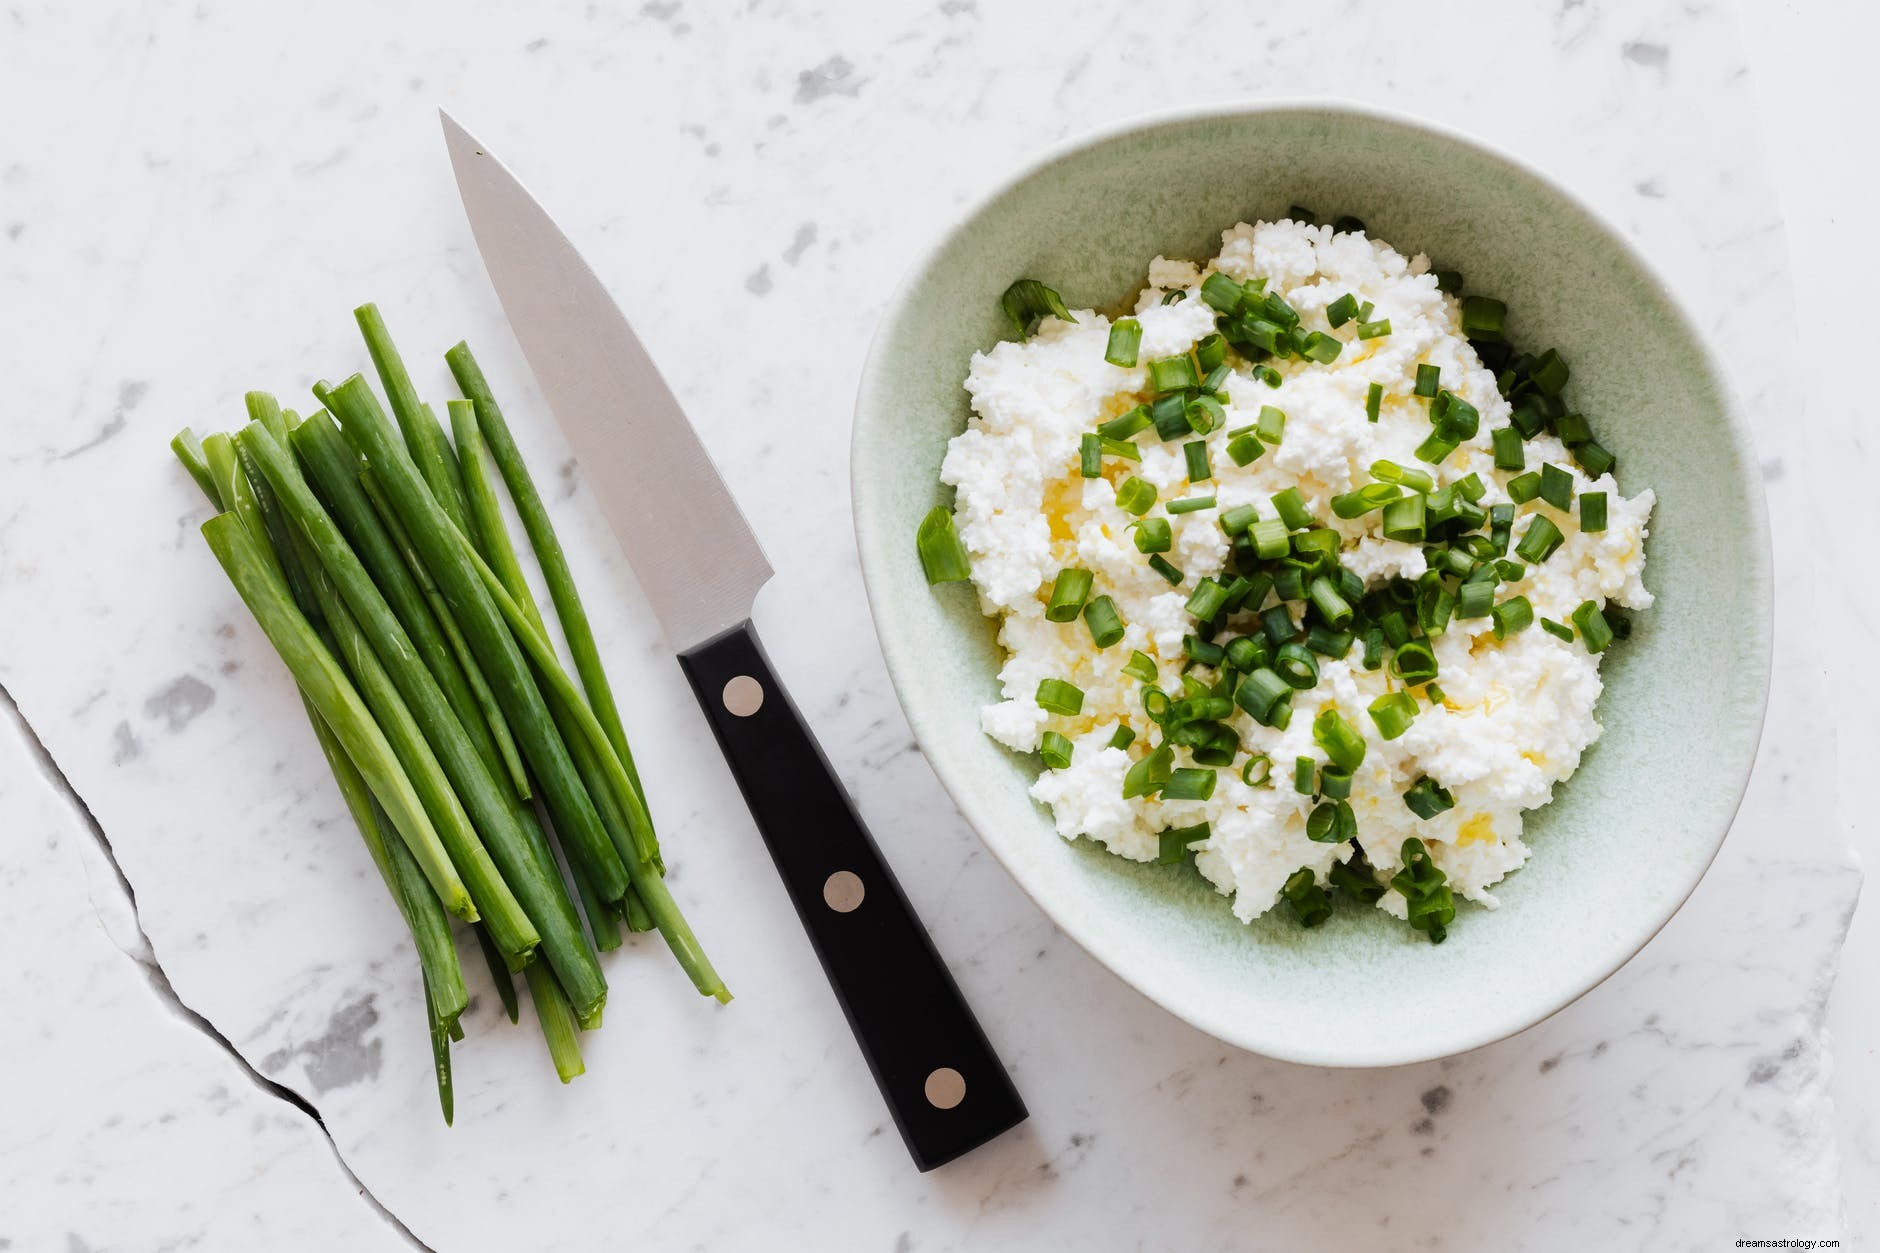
{"x": 373, "y": 553}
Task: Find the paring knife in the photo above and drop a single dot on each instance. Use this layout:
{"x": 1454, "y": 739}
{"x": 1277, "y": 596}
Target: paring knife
{"x": 701, "y": 567}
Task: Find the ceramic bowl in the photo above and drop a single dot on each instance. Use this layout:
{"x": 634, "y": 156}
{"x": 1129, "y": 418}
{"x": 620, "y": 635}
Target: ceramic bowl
{"x": 1625, "y": 840}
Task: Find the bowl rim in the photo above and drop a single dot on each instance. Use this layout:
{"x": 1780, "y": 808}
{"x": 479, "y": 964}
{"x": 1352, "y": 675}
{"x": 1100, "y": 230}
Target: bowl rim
{"x": 872, "y": 552}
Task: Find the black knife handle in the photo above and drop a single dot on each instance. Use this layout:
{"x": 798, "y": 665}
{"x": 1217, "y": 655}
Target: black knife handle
{"x": 944, "y": 1085}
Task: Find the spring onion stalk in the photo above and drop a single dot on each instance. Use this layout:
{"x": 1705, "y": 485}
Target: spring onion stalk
{"x": 424, "y": 438}
{"x": 557, "y": 1021}
{"x": 188, "y": 450}
{"x": 446, "y": 553}
{"x": 385, "y": 551}
{"x": 319, "y": 675}
{"x": 450, "y": 775}
{"x": 644, "y": 877}
{"x": 499, "y": 972}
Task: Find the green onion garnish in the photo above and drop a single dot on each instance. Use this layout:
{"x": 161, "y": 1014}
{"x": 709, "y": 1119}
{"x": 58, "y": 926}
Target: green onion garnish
{"x": 1147, "y": 775}
{"x": 1128, "y": 424}
{"x": 1595, "y": 631}
{"x": 1189, "y": 784}
{"x": 1305, "y": 776}
{"x": 1141, "y": 666}
{"x": 1106, "y": 625}
{"x": 1431, "y": 904}
{"x": 1172, "y": 844}
{"x": 1242, "y": 449}
{"x": 1068, "y": 593}
{"x": 1172, "y": 573}
{"x": 1374, "y": 401}
{"x": 1120, "y": 448}
{"x": 1292, "y": 510}
{"x": 1475, "y": 600}
{"x": 1153, "y": 535}
{"x": 1204, "y": 413}
{"x": 1270, "y": 425}
{"x": 1190, "y": 504}
{"x": 1413, "y": 663}
{"x": 1125, "y": 339}
{"x": 1056, "y": 750}
{"x": 1135, "y": 496}
{"x": 1426, "y": 799}
{"x": 1210, "y": 353}
{"x": 1027, "y": 301}
{"x": 1556, "y": 486}
{"x": 1270, "y": 540}
{"x": 1549, "y": 372}
{"x": 1335, "y": 784}
{"x": 1593, "y": 458}
{"x": 1365, "y": 499}
{"x": 1511, "y": 615}
{"x": 1209, "y": 598}
{"x": 1266, "y": 374}
{"x": 1392, "y": 713}
{"x": 1342, "y": 742}
{"x": 1408, "y": 477}
{"x": 1539, "y": 542}
{"x": 1331, "y": 606}
{"x": 1435, "y": 449}
{"x": 1201, "y": 651}
{"x": 1263, "y": 694}
{"x": 1342, "y": 310}
{"x": 1592, "y": 511}
{"x": 1508, "y": 449}
{"x": 1239, "y": 518}
{"x": 1173, "y": 374}
{"x": 1429, "y": 381}
{"x": 942, "y": 556}
{"x": 1090, "y": 455}
{"x": 1217, "y": 380}
{"x": 1524, "y": 488}
{"x": 1573, "y": 429}
{"x": 1331, "y": 822}
{"x": 1482, "y": 317}
{"x": 1059, "y": 697}
{"x": 1296, "y": 665}
{"x": 1374, "y": 330}
{"x": 1309, "y": 903}
{"x": 1195, "y": 453}
{"x": 1321, "y": 348}
{"x": 1449, "y": 282}
{"x": 1257, "y": 771}
{"x": 1222, "y": 292}
{"x": 1559, "y": 630}
{"x": 1404, "y": 519}
{"x": 1170, "y": 415}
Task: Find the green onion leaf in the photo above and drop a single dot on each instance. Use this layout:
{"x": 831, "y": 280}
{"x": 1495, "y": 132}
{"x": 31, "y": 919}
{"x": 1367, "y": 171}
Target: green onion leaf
{"x": 1141, "y": 666}
{"x": 1296, "y": 665}
{"x": 1426, "y": 799}
{"x": 1374, "y": 330}
{"x": 1374, "y": 401}
{"x": 1189, "y": 784}
{"x": 1429, "y": 381}
{"x": 1525, "y": 487}
{"x": 1203, "y": 414}
{"x": 1595, "y": 631}
{"x": 1172, "y": 573}
{"x": 1508, "y": 450}
{"x": 1090, "y": 455}
{"x": 1153, "y": 535}
{"x": 1222, "y": 292}
{"x": 1342, "y": 310}
{"x": 1059, "y": 697}
{"x": 1195, "y": 453}
{"x": 1027, "y": 301}
{"x": 1173, "y": 844}
{"x": 1191, "y": 504}
{"x": 1173, "y": 374}
{"x": 1592, "y": 511}
{"x": 1125, "y": 339}
{"x": 1511, "y": 615}
{"x": 1135, "y": 496}
{"x": 1122, "y": 737}
{"x": 1594, "y": 459}
{"x": 1556, "y": 486}
{"x": 1106, "y": 625}
{"x": 1342, "y": 742}
{"x": 1068, "y": 593}
{"x": 1367, "y": 498}
{"x": 1539, "y": 542}
{"x": 1322, "y": 348}
{"x": 1308, "y": 902}
{"x": 1128, "y": 424}
{"x": 1558, "y": 630}
{"x": 1482, "y": 317}
{"x": 942, "y": 556}
{"x": 1292, "y": 510}
{"x": 1413, "y": 663}
{"x": 1148, "y": 774}
{"x": 1404, "y": 520}
{"x": 1056, "y": 750}
{"x": 1392, "y": 713}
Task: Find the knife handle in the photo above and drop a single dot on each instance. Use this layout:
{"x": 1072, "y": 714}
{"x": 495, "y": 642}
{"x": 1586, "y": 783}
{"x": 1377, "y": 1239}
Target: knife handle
{"x": 944, "y": 1085}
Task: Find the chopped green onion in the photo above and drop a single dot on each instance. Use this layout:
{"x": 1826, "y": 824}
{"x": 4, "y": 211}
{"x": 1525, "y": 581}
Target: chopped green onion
{"x": 1028, "y": 301}
{"x": 1270, "y": 425}
{"x": 1508, "y": 451}
{"x": 1426, "y": 799}
{"x": 1296, "y": 665}
{"x": 1217, "y": 379}
{"x": 1335, "y": 784}
{"x": 1257, "y": 771}
{"x": 1374, "y": 330}
{"x": 1367, "y": 498}
{"x": 1525, "y": 487}
{"x": 1242, "y": 449}
{"x": 1090, "y": 455}
{"x": 1573, "y": 429}
{"x": 1141, "y": 666}
{"x": 1210, "y": 352}
{"x": 1292, "y": 510}
{"x": 1239, "y": 518}
{"x": 1122, "y": 737}
{"x": 1120, "y": 448}
{"x": 1511, "y": 615}
{"x": 1106, "y": 625}
{"x": 1392, "y": 713}
{"x": 1195, "y": 453}
{"x": 1321, "y": 348}
{"x": 1189, "y": 784}
{"x": 1270, "y": 539}
{"x": 1172, "y": 844}
{"x": 1528, "y": 418}
{"x": 1408, "y": 477}
{"x": 1342, "y": 310}
{"x": 1128, "y": 424}
{"x": 1191, "y": 504}
{"x": 1592, "y": 511}
{"x": 1434, "y": 694}
{"x": 1222, "y": 292}
{"x": 1331, "y": 606}
{"x": 1539, "y": 542}
{"x": 1305, "y": 776}
{"x": 1266, "y": 374}
{"x": 1262, "y": 694}
{"x": 1449, "y": 282}
{"x": 1173, "y": 374}
{"x": 1247, "y": 652}
{"x": 1593, "y": 458}
{"x": 1429, "y": 380}
{"x": 1175, "y": 297}
{"x": 1475, "y": 600}
{"x": 1558, "y": 630}
{"x": 1153, "y": 535}
{"x": 1404, "y": 519}
{"x": 1414, "y": 663}
{"x": 1125, "y": 339}
{"x": 1203, "y": 414}
{"x": 1595, "y": 631}
{"x": 1172, "y": 573}
{"x": 1436, "y": 449}
{"x": 1170, "y": 415}
{"x": 1482, "y": 317}
{"x": 1135, "y": 496}
{"x": 1056, "y": 750}
{"x": 1308, "y": 902}
{"x": 1068, "y": 593}
{"x": 1059, "y": 697}
{"x": 1207, "y": 654}
{"x": 1209, "y": 598}
{"x": 942, "y": 556}
{"x": 1147, "y": 775}
{"x": 1331, "y": 822}
{"x": 1556, "y": 486}
{"x": 1374, "y": 401}
{"x": 1431, "y": 903}
{"x": 1550, "y": 372}
{"x": 1459, "y": 420}
{"x": 1342, "y": 742}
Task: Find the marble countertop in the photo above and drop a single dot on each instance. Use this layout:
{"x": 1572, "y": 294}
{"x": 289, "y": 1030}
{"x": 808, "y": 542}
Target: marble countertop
{"x": 216, "y": 1030}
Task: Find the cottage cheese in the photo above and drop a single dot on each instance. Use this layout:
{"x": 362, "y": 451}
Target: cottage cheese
{"x": 1517, "y": 715}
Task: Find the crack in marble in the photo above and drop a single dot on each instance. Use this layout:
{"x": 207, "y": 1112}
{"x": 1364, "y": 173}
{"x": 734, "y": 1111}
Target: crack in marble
{"x": 158, "y": 980}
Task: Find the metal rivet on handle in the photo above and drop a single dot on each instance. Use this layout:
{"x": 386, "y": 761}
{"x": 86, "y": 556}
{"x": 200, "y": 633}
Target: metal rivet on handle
{"x": 843, "y": 891}
{"x": 743, "y": 696}
{"x": 946, "y": 1087}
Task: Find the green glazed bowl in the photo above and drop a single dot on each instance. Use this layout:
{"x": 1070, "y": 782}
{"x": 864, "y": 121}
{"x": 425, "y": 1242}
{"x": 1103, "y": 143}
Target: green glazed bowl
{"x": 1626, "y": 838}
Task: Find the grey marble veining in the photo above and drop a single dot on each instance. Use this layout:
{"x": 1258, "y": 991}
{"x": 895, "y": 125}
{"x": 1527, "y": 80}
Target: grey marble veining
{"x": 201, "y": 196}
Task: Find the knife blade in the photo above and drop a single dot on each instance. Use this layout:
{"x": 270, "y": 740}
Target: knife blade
{"x": 701, "y": 567}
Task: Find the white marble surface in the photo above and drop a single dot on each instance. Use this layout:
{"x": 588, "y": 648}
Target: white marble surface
{"x": 197, "y": 197}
